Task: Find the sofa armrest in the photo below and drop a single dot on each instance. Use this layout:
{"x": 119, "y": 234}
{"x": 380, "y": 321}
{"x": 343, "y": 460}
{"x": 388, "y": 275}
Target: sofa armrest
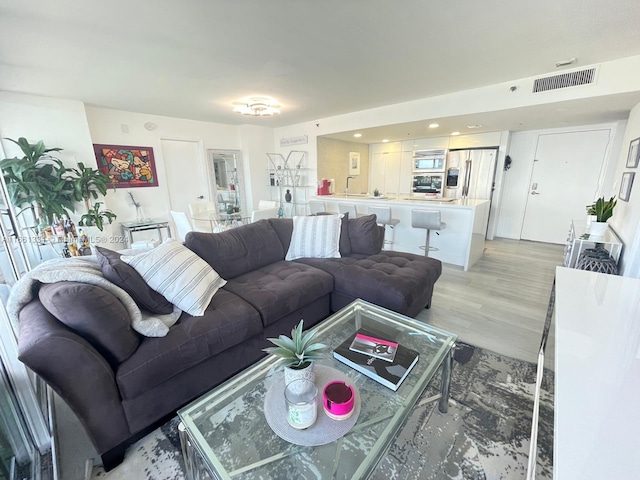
{"x": 76, "y": 371}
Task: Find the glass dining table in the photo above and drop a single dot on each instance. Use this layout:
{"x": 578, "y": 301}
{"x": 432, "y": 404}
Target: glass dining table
{"x": 220, "y": 221}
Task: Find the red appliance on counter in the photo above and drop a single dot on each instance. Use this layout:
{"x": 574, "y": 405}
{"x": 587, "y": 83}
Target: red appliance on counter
{"x": 324, "y": 187}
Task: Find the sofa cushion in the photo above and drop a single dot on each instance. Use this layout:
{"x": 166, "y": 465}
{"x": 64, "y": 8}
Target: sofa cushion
{"x": 315, "y": 236}
{"x": 281, "y": 288}
{"x": 180, "y": 275}
{"x": 402, "y": 282}
{"x": 239, "y": 250}
{"x": 126, "y": 277}
{"x": 284, "y": 230}
{"x": 227, "y": 321}
{"x": 93, "y": 313}
{"x": 365, "y": 235}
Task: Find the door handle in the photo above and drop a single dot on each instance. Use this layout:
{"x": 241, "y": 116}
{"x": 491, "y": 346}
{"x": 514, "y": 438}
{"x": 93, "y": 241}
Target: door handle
{"x": 535, "y": 193}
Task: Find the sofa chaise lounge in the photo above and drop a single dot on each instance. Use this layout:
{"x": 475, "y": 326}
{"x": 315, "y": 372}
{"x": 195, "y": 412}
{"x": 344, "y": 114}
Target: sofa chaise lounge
{"x": 120, "y": 384}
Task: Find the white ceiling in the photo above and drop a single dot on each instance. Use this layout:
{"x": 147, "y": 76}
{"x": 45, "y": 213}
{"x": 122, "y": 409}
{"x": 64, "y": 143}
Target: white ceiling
{"x": 319, "y": 58}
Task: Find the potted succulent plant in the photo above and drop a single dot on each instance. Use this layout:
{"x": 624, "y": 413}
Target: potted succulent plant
{"x": 299, "y": 352}
{"x": 602, "y": 210}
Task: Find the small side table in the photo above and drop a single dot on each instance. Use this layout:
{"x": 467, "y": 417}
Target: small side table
{"x": 140, "y": 226}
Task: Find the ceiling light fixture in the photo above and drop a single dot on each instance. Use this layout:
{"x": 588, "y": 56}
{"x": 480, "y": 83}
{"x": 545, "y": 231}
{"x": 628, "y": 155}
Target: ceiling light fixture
{"x": 455, "y": 133}
{"x": 434, "y": 125}
{"x": 385, "y": 140}
{"x": 357, "y": 135}
{"x": 257, "y": 107}
{"x": 477, "y": 125}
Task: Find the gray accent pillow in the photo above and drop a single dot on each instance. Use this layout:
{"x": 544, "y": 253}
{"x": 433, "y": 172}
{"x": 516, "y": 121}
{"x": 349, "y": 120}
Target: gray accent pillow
{"x": 364, "y": 235}
{"x": 95, "y": 314}
{"x": 126, "y": 277}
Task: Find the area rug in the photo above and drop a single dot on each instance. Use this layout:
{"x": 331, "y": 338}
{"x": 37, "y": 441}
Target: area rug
{"x": 484, "y": 436}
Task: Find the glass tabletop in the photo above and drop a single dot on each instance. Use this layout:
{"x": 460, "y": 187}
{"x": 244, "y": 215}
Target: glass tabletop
{"x": 229, "y": 430}
{"x": 144, "y": 223}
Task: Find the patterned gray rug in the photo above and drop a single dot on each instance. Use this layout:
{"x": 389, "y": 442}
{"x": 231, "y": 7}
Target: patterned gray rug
{"x": 484, "y": 436}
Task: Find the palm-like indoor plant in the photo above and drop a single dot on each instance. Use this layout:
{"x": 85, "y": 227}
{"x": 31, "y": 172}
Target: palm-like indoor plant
{"x": 39, "y": 181}
{"x": 87, "y": 184}
{"x": 299, "y": 353}
{"x": 602, "y": 210}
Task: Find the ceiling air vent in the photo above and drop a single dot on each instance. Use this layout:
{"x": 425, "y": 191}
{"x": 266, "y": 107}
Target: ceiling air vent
{"x": 564, "y": 80}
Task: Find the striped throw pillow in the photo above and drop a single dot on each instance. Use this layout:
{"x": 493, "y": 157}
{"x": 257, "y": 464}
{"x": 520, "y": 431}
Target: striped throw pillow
{"x": 315, "y": 237}
{"x": 179, "y": 275}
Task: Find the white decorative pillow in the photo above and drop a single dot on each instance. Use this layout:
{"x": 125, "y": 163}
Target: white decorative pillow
{"x": 179, "y": 275}
{"x": 315, "y": 237}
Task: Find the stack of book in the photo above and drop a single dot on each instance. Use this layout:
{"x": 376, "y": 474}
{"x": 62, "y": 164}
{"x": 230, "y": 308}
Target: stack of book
{"x": 382, "y": 360}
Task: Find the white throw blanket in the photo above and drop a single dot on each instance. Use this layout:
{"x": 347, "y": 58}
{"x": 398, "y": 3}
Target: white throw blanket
{"x": 86, "y": 270}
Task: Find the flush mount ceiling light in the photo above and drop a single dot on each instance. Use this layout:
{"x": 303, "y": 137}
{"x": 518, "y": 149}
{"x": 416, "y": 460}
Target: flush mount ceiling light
{"x": 434, "y": 125}
{"x": 455, "y": 133}
{"x": 257, "y": 106}
{"x": 357, "y": 135}
{"x": 477, "y": 125}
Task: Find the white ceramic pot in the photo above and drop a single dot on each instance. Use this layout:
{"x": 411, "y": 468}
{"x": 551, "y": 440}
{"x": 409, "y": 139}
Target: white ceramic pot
{"x": 598, "y": 228}
{"x": 307, "y": 373}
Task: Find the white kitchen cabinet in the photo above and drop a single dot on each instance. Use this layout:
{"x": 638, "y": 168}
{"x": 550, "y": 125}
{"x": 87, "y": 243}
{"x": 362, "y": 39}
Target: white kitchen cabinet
{"x": 377, "y": 170}
{"x": 406, "y": 169}
{"x": 388, "y": 147}
{"x": 477, "y": 140}
{"x": 426, "y": 143}
{"x": 392, "y": 174}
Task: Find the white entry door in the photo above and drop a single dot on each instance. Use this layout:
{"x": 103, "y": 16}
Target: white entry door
{"x": 565, "y": 177}
{"x": 186, "y": 173}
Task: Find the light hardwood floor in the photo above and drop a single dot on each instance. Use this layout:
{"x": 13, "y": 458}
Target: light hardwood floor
{"x": 501, "y": 303}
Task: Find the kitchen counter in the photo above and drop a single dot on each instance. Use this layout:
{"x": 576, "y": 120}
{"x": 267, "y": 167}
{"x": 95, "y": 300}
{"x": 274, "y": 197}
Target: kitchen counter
{"x": 460, "y": 243}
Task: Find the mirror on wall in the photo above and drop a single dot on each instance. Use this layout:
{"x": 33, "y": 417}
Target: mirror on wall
{"x": 227, "y": 187}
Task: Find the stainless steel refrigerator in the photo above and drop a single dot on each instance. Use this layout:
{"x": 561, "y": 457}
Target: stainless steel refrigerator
{"x": 471, "y": 173}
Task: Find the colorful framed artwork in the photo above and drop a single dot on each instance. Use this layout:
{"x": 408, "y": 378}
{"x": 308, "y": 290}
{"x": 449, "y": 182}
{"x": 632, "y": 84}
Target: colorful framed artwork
{"x": 625, "y": 186}
{"x": 127, "y": 166}
{"x": 633, "y": 158}
{"x": 354, "y": 163}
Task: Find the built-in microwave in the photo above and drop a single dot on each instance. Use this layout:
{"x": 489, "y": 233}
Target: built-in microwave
{"x": 429, "y": 160}
{"x": 427, "y": 184}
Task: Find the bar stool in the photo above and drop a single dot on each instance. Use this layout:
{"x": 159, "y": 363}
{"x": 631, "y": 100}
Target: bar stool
{"x": 383, "y": 218}
{"x": 349, "y": 208}
{"x": 317, "y": 206}
{"x": 430, "y": 220}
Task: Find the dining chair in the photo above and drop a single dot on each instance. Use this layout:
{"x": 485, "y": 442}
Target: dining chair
{"x": 183, "y": 225}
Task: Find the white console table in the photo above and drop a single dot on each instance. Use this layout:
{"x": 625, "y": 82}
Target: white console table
{"x": 580, "y": 239}
{"x": 597, "y": 376}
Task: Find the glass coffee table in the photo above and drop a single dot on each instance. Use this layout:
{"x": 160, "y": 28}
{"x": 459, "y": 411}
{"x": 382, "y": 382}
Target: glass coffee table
{"x": 225, "y": 435}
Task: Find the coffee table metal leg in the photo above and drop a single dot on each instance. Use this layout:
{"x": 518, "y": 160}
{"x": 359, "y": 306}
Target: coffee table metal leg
{"x": 447, "y": 364}
{"x": 195, "y": 470}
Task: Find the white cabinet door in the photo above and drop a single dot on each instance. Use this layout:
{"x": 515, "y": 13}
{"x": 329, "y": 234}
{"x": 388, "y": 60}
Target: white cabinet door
{"x": 406, "y": 168}
{"x": 392, "y": 174}
{"x": 376, "y": 172}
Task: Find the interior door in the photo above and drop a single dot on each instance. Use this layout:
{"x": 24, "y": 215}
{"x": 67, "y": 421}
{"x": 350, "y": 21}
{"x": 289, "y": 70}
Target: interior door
{"x": 566, "y": 172}
{"x": 185, "y": 173}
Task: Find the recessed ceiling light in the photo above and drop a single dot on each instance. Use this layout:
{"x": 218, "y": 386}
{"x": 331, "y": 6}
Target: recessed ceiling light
{"x": 357, "y": 135}
{"x": 434, "y": 125}
{"x": 477, "y": 125}
{"x": 257, "y": 106}
{"x": 455, "y": 133}
{"x": 385, "y": 140}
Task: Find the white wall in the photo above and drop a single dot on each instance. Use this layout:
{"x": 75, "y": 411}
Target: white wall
{"x": 626, "y": 216}
{"x": 256, "y": 142}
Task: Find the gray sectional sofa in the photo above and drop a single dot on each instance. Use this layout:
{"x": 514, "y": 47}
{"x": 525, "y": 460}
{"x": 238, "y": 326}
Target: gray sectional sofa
{"x": 78, "y": 337}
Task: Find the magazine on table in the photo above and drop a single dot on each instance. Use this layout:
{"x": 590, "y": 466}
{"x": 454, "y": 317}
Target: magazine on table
{"x": 389, "y": 374}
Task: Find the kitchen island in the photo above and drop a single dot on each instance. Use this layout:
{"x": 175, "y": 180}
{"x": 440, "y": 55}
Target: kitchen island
{"x": 460, "y": 243}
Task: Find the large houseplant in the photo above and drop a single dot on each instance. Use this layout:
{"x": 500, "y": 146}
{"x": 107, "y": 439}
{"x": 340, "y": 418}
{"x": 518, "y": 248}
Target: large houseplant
{"x": 38, "y": 180}
{"x": 299, "y": 352}
{"x": 602, "y": 210}
{"x": 87, "y": 184}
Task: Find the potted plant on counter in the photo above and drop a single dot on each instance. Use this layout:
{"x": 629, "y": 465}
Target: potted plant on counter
{"x": 602, "y": 210}
{"x": 299, "y": 352}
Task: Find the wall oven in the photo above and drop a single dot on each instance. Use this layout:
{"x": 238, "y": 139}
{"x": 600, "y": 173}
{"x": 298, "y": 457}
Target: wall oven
{"x": 427, "y": 184}
{"x": 429, "y": 160}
